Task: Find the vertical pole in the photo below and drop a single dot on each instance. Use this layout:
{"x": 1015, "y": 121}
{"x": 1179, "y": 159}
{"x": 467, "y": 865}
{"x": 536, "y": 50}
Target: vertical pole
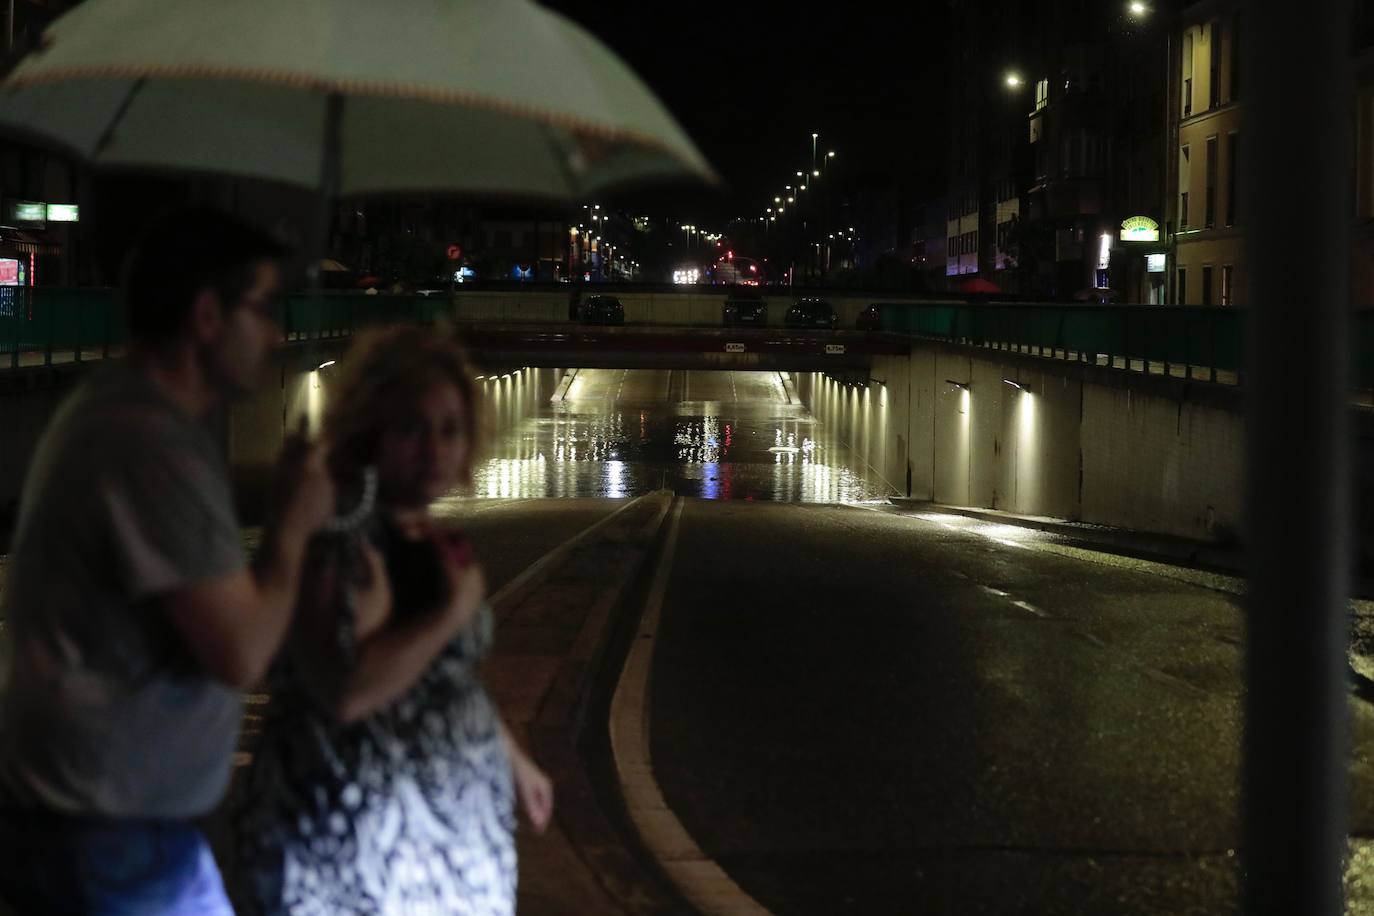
{"x": 331, "y": 179}
{"x": 1298, "y": 458}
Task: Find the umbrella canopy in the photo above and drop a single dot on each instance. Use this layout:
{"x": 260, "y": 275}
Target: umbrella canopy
{"x": 482, "y": 97}
{"x": 979, "y": 285}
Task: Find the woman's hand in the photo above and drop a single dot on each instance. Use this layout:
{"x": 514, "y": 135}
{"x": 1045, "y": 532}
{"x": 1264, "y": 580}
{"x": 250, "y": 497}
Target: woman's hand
{"x": 533, "y": 788}
{"x": 467, "y": 585}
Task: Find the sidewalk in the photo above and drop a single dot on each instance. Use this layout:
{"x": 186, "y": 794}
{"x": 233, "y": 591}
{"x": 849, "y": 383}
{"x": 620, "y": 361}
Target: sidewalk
{"x": 556, "y": 633}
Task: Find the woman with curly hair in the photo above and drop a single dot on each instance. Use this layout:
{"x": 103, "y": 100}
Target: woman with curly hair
{"x": 385, "y": 781}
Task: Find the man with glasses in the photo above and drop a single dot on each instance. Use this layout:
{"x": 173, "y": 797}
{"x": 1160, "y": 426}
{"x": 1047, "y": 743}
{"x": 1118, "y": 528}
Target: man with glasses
{"x": 133, "y": 617}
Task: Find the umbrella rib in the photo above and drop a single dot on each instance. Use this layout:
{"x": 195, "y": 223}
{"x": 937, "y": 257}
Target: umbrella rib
{"x": 107, "y": 135}
{"x": 561, "y": 158}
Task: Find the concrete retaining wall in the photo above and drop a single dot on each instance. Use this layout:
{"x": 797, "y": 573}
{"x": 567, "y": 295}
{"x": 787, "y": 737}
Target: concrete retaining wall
{"x": 254, "y": 428}
{"x": 945, "y": 424}
{"x": 257, "y": 426}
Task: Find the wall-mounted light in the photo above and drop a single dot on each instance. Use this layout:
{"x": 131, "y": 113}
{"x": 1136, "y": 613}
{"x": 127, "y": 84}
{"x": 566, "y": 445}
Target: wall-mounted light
{"x": 961, "y": 385}
{"x": 1017, "y": 385}
{"x": 326, "y": 364}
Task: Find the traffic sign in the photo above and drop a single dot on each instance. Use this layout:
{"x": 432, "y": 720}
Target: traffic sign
{"x": 454, "y": 252}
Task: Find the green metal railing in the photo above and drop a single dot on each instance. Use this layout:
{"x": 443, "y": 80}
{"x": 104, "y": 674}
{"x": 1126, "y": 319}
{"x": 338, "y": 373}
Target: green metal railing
{"x": 42, "y": 326}
{"x": 326, "y": 317}
{"x": 48, "y": 325}
{"x": 1185, "y": 338}
{"x": 75, "y": 323}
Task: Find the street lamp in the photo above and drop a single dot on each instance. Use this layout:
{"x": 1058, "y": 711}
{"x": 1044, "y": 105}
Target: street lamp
{"x": 1013, "y": 80}
{"x": 1138, "y": 9}
{"x": 813, "y": 151}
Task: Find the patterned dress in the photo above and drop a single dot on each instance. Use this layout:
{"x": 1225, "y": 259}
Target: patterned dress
{"x": 407, "y": 811}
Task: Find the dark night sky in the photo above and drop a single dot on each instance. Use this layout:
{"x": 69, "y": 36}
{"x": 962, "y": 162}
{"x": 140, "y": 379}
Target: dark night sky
{"x": 751, "y": 81}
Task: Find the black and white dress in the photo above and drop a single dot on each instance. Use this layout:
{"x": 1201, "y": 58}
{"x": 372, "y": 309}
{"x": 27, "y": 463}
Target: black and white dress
{"x": 407, "y": 811}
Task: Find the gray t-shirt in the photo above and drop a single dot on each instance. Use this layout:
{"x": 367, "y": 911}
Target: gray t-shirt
{"x": 103, "y": 709}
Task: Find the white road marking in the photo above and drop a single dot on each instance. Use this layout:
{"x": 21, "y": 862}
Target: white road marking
{"x": 699, "y": 879}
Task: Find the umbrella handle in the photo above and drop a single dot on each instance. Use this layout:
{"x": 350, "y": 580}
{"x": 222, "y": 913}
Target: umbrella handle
{"x": 331, "y": 178}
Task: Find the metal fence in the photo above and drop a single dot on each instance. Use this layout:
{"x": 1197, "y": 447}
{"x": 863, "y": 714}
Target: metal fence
{"x": 1191, "y": 341}
{"x": 44, "y": 326}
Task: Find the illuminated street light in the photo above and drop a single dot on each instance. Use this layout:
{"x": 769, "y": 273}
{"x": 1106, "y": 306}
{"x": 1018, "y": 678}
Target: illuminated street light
{"x": 830, "y": 155}
{"x": 777, "y": 200}
{"x": 1013, "y": 80}
{"x": 1138, "y": 9}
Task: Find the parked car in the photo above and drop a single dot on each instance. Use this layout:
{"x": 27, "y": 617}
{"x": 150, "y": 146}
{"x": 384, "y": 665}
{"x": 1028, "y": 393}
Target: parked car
{"x": 811, "y": 313}
{"x": 745, "y": 305}
{"x": 601, "y": 310}
{"x": 870, "y": 319}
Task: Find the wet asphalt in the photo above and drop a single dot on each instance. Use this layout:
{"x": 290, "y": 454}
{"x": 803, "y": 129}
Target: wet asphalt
{"x": 860, "y": 709}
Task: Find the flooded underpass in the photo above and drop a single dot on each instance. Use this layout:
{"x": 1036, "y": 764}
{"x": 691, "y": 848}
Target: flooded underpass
{"x": 720, "y": 434}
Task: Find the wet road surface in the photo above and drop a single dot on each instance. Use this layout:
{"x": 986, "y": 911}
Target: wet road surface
{"x": 859, "y": 711}
{"x": 717, "y": 435}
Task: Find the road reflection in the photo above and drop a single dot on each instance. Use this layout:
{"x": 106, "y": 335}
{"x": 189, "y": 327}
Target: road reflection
{"x": 717, "y": 435}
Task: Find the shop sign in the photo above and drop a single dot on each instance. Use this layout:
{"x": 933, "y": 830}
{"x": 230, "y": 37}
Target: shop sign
{"x": 28, "y": 211}
{"x": 1139, "y": 229}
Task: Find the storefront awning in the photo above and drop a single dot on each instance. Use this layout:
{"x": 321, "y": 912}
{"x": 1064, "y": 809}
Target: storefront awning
{"x": 28, "y": 241}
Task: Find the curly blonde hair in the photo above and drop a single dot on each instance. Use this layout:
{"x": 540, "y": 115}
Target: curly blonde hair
{"x": 384, "y": 370}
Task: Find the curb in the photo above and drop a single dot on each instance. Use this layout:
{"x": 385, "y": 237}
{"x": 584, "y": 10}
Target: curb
{"x": 1160, "y": 548}
{"x": 789, "y": 388}
{"x": 697, "y": 877}
{"x": 1142, "y": 545}
{"x": 561, "y": 392}
{"x": 558, "y": 630}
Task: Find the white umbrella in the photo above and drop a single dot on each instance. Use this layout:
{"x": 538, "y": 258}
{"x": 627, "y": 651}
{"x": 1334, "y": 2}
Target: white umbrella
{"x": 481, "y": 97}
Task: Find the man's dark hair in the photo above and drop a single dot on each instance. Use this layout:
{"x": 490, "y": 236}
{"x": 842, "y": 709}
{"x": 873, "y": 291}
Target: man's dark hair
{"x": 182, "y": 253}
